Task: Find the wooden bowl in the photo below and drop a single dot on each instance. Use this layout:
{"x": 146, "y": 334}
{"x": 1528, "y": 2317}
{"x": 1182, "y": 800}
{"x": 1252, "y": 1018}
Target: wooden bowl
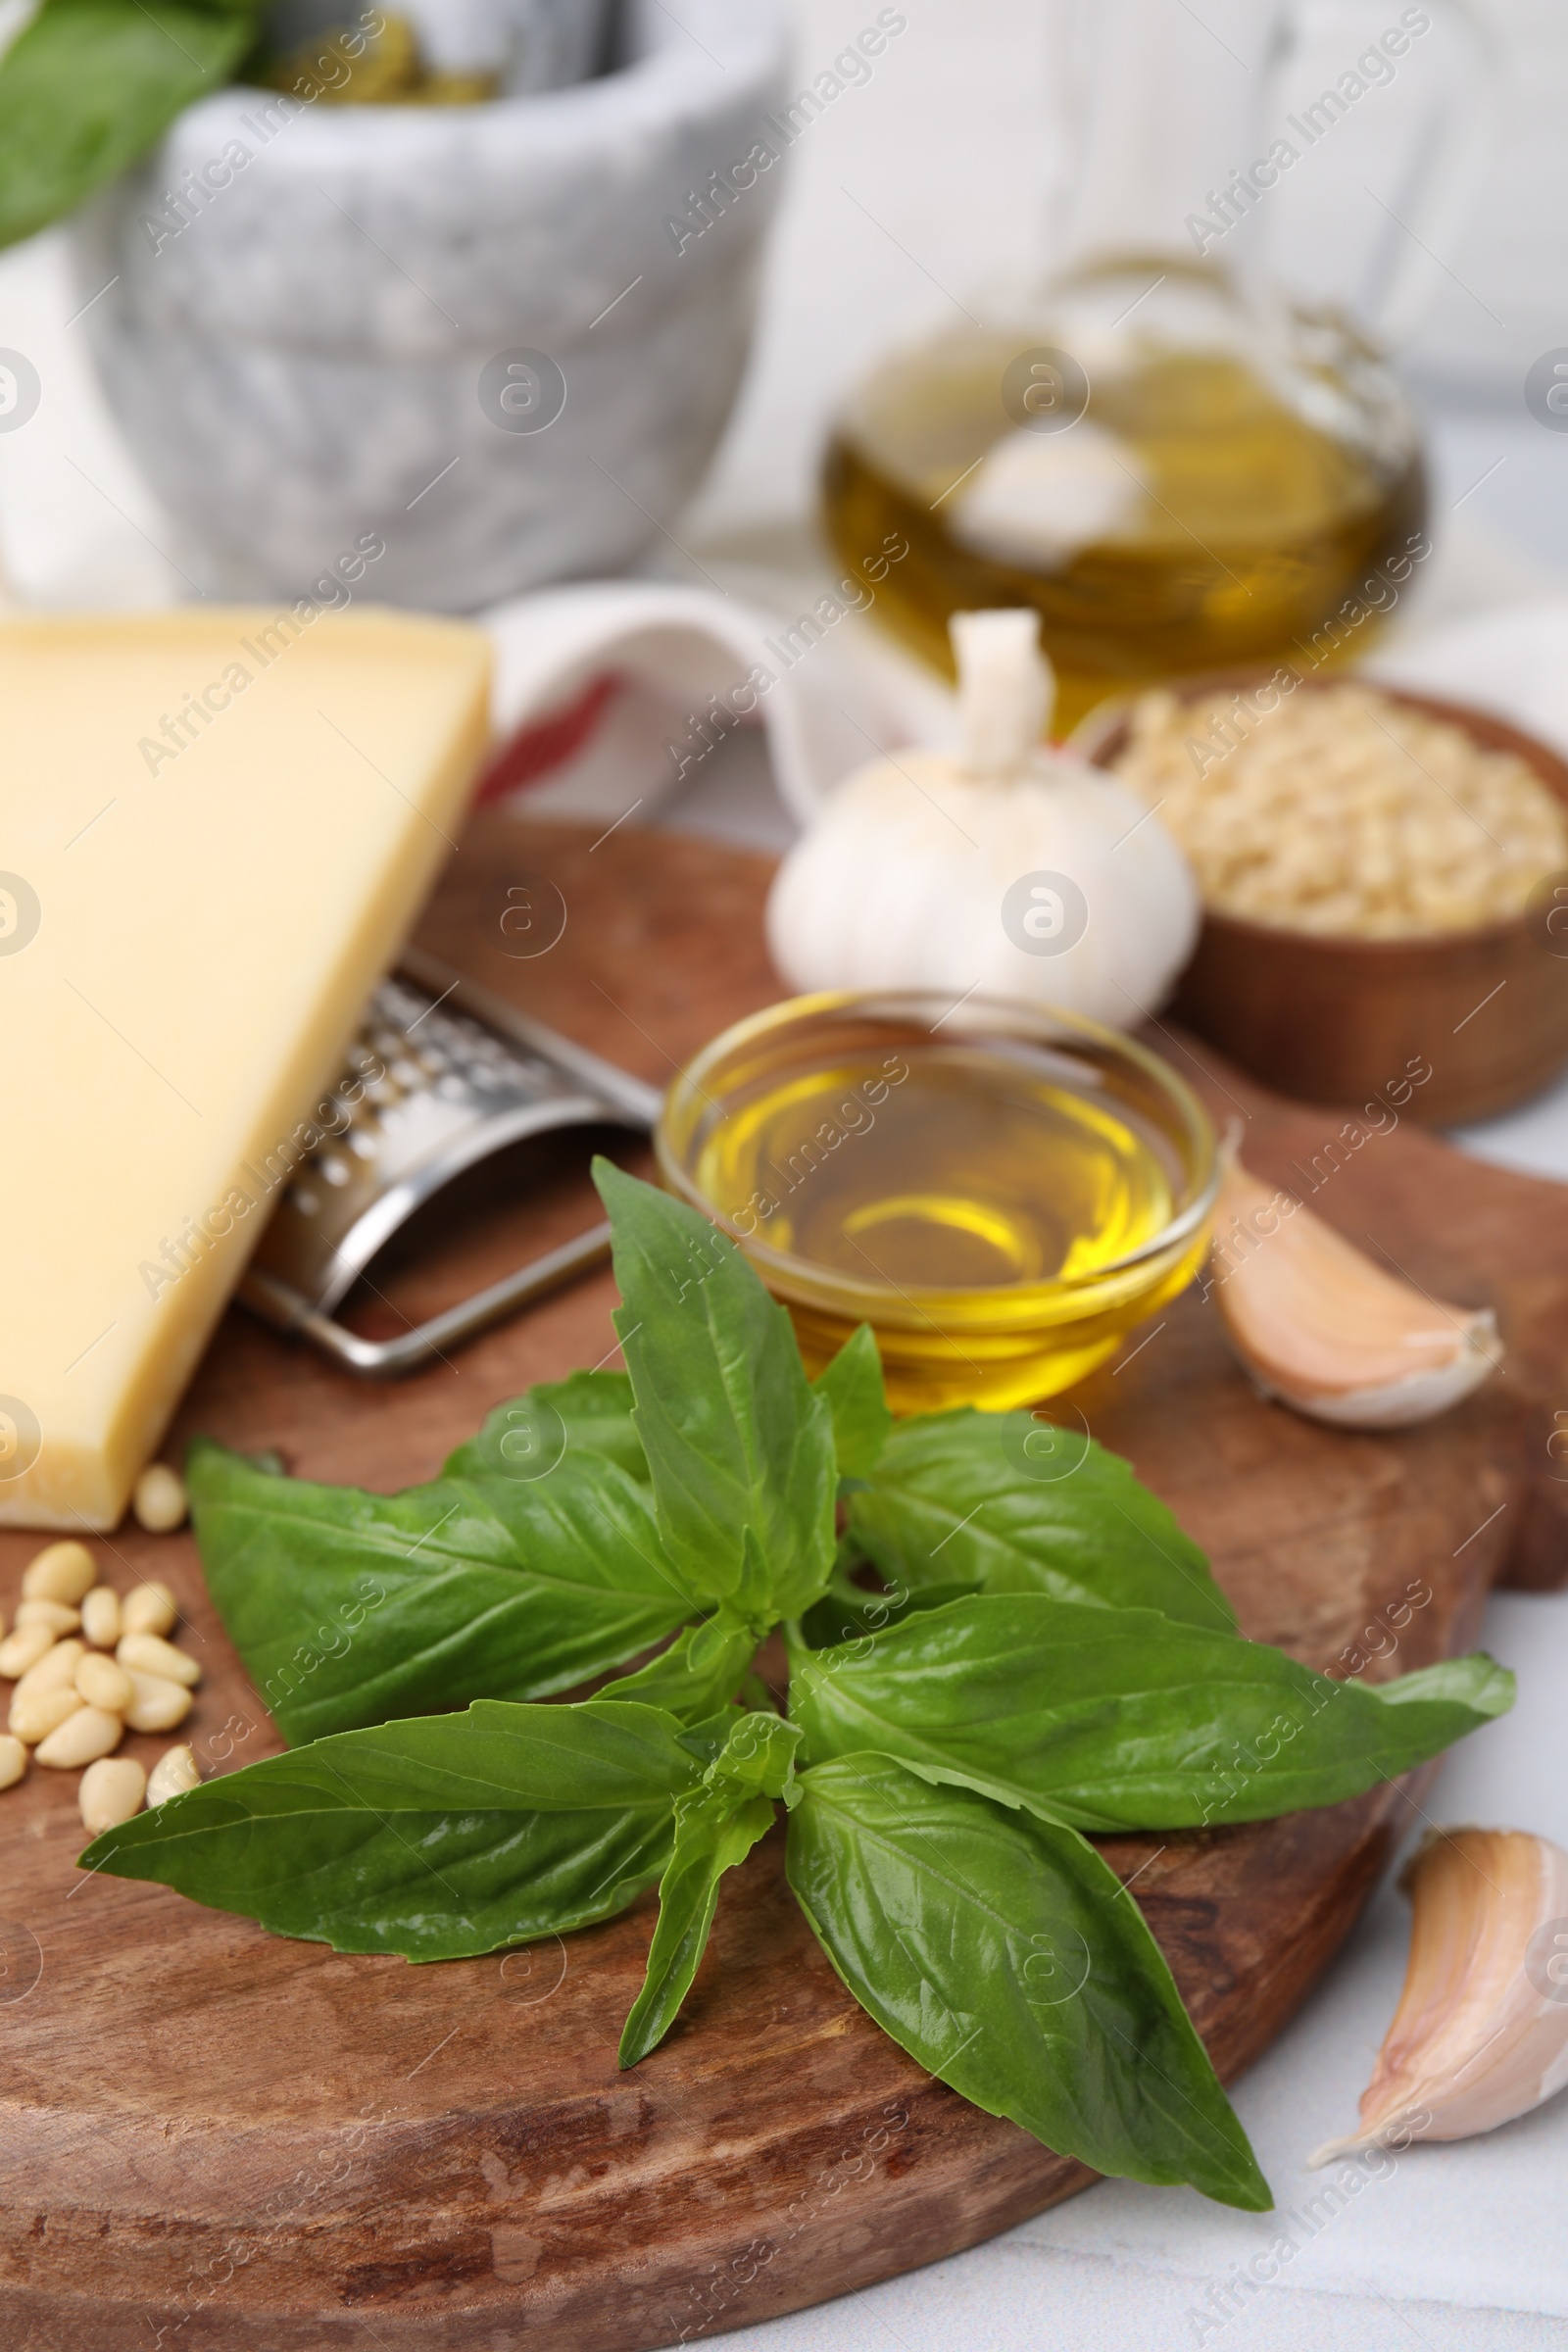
{"x": 1483, "y": 1013}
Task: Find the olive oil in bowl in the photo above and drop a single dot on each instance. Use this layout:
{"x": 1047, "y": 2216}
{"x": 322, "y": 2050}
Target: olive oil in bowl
{"x": 1001, "y": 1193}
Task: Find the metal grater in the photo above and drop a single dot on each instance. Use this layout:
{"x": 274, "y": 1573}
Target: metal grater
{"x": 441, "y": 1075}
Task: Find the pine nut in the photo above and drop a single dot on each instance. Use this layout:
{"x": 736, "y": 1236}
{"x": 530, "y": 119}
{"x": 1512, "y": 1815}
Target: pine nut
{"x": 110, "y": 1791}
{"x": 80, "y": 1739}
{"x": 19, "y": 1651}
{"x": 13, "y": 1760}
{"x": 56, "y": 1670}
{"x": 148, "y": 1608}
{"x": 59, "y": 1572}
{"x": 155, "y": 1705}
{"x": 1342, "y": 813}
{"x": 159, "y": 1499}
{"x": 34, "y": 1717}
{"x": 53, "y": 1613}
{"x": 173, "y": 1773}
{"x": 100, "y": 1617}
{"x": 149, "y": 1655}
{"x": 103, "y": 1684}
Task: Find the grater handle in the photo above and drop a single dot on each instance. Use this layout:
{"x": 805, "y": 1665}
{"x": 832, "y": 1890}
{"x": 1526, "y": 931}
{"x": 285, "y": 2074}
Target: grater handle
{"x": 386, "y": 1359}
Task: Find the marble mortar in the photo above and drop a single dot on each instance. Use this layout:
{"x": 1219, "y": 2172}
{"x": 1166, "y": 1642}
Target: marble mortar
{"x": 298, "y": 367}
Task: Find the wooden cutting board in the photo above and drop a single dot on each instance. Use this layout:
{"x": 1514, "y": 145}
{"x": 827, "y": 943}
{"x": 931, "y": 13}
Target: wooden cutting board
{"x": 212, "y": 2137}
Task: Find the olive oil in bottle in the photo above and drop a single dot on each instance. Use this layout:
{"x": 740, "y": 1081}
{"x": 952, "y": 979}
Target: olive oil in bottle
{"x": 1181, "y": 461}
{"x": 1171, "y": 505}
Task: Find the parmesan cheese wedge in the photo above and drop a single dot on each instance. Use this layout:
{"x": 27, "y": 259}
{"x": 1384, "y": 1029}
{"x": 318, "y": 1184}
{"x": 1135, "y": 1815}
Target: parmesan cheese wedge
{"x": 216, "y": 826}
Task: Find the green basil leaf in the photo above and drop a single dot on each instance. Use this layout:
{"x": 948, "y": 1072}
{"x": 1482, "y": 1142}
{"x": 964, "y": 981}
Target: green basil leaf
{"x": 736, "y": 1443}
{"x": 846, "y": 1613}
{"x": 716, "y": 1829}
{"x": 438, "y": 1839}
{"x": 854, "y": 1386}
{"x": 1116, "y": 1718}
{"x": 591, "y": 1413}
{"x": 758, "y": 1757}
{"x": 713, "y": 1834}
{"x": 707, "y": 1741}
{"x": 1008, "y": 1504}
{"x": 348, "y": 1608}
{"x": 90, "y": 86}
{"x": 1004, "y": 1955}
{"x": 690, "y": 1689}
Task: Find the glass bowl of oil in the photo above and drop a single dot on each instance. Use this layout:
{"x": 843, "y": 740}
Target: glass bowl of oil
{"x": 1000, "y": 1191}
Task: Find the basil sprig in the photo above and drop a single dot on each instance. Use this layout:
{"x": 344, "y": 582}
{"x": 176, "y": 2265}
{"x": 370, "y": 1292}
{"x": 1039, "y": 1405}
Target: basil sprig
{"x": 1046, "y": 1654}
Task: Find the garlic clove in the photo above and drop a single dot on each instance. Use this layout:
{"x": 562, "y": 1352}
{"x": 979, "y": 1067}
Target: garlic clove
{"x": 1481, "y": 2032}
{"x": 1328, "y": 1332}
{"x": 1421, "y": 1396}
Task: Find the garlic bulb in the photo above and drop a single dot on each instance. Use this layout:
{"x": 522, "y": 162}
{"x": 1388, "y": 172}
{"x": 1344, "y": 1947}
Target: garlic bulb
{"x": 1004, "y": 868}
{"x": 1325, "y": 1330}
{"x": 1481, "y": 2033}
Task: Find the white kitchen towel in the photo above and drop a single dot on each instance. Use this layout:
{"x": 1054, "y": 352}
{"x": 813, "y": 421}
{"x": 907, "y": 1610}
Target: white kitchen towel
{"x": 610, "y": 695}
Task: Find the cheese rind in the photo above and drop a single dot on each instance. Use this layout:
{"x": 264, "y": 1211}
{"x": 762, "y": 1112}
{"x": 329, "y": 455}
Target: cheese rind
{"x": 215, "y": 827}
